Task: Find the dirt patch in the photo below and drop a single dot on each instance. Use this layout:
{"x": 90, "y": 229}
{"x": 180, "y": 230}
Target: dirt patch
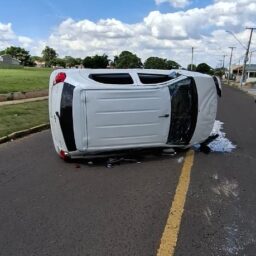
{"x": 23, "y": 95}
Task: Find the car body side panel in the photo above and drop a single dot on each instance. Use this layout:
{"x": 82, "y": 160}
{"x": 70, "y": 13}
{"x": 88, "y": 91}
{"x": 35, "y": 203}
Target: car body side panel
{"x": 127, "y": 118}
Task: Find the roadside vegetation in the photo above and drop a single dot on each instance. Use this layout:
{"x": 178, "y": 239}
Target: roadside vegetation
{"x": 22, "y": 116}
{"x": 23, "y": 80}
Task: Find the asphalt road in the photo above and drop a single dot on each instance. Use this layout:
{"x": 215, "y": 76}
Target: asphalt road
{"x": 219, "y": 217}
{"x": 48, "y": 207}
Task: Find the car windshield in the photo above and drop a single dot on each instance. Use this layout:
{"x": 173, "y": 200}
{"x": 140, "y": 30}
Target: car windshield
{"x": 184, "y": 105}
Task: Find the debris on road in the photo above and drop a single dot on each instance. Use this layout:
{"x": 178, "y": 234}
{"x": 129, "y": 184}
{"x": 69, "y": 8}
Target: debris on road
{"x": 221, "y": 144}
{"x": 119, "y": 160}
{"x": 204, "y": 147}
{"x": 136, "y": 157}
{"x": 168, "y": 152}
{"x": 180, "y": 159}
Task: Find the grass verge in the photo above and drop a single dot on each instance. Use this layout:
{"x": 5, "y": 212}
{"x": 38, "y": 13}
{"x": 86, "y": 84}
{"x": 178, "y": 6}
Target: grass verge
{"x": 18, "y": 117}
{"x": 24, "y": 80}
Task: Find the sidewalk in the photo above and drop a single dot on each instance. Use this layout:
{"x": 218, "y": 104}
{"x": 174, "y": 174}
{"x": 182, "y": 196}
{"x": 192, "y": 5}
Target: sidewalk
{"x": 13, "y": 102}
{"x": 251, "y": 91}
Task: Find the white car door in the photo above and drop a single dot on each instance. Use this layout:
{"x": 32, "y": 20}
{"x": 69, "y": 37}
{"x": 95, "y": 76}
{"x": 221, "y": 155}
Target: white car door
{"x": 127, "y": 118}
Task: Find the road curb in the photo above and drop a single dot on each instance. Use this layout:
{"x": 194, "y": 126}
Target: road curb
{"x": 22, "y": 133}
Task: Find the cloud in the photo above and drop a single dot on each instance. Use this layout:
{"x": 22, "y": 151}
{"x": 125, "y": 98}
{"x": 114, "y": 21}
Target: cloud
{"x": 8, "y": 37}
{"x": 25, "y": 41}
{"x": 85, "y": 37}
{"x": 6, "y": 33}
{"x": 168, "y": 35}
{"x": 174, "y": 3}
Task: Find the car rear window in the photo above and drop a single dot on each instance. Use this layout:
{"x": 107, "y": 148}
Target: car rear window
{"x": 153, "y": 78}
{"x": 119, "y": 78}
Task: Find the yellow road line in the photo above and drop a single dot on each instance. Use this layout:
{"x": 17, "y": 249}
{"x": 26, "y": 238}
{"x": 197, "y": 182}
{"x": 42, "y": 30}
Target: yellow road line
{"x": 171, "y": 231}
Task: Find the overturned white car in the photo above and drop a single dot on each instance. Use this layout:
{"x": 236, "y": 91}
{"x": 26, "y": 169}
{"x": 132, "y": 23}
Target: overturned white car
{"x": 102, "y": 110}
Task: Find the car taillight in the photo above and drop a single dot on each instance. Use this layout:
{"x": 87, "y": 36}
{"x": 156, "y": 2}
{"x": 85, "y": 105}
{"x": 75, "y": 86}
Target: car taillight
{"x": 64, "y": 155}
{"x": 59, "y": 78}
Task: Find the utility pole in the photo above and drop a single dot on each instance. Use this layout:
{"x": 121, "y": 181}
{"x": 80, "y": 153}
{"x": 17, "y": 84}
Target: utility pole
{"x": 192, "y": 58}
{"x": 246, "y": 56}
{"x": 230, "y": 60}
{"x": 223, "y": 64}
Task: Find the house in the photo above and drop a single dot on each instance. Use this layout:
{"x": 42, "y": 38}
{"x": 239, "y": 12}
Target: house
{"x": 7, "y": 59}
{"x": 39, "y": 64}
{"x": 250, "y": 72}
{"x": 236, "y": 70}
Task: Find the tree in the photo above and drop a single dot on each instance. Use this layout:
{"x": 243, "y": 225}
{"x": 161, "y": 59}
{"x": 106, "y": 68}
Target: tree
{"x": 127, "y": 59}
{"x": 49, "y": 56}
{"x": 160, "y": 63}
{"x": 204, "y": 68}
{"x": 155, "y": 63}
{"x": 97, "y": 61}
{"x": 36, "y": 58}
{"x": 70, "y": 61}
{"x": 191, "y": 67}
{"x": 219, "y": 72}
{"x": 171, "y": 64}
{"x": 20, "y": 54}
{"x": 100, "y": 61}
{"x": 87, "y": 62}
{"x": 79, "y": 61}
{"x": 60, "y": 62}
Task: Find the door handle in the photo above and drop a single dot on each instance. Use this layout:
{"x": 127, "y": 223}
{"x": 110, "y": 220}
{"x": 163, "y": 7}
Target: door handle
{"x": 164, "y": 116}
{"x": 57, "y": 114}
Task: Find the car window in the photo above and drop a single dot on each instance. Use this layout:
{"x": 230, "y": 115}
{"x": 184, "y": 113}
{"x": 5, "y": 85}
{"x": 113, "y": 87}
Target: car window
{"x": 153, "y": 78}
{"x": 119, "y": 78}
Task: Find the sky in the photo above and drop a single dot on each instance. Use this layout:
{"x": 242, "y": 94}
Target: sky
{"x": 163, "y": 28}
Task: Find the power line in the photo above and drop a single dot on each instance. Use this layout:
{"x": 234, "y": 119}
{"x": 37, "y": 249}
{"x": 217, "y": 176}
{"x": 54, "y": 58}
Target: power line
{"x": 251, "y": 52}
{"x": 231, "y": 33}
{"x": 238, "y": 59}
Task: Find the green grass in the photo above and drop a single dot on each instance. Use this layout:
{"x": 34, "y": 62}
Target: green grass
{"x": 23, "y": 80}
{"x": 22, "y": 116}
